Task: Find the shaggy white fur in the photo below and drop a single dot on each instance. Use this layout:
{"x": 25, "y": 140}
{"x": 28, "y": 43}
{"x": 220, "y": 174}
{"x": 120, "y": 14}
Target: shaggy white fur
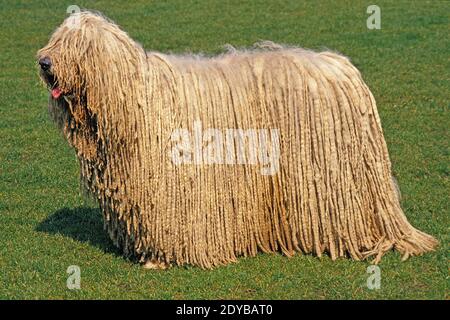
{"x": 333, "y": 191}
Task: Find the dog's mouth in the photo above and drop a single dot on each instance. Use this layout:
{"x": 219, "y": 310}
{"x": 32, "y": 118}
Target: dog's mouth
{"x": 52, "y": 84}
{"x": 56, "y": 93}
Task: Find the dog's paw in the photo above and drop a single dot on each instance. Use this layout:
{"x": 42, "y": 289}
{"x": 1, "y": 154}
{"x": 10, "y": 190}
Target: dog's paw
{"x": 155, "y": 265}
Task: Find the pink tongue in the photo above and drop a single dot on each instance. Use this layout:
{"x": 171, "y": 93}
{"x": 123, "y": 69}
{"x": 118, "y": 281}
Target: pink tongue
{"x": 56, "y": 92}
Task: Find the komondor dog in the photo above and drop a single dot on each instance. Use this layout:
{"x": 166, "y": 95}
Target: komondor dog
{"x": 197, "y": 160}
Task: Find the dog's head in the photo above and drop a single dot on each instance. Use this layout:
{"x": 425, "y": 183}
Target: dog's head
{"x": 93, "y": 71}
{"x": 90, "y": 56}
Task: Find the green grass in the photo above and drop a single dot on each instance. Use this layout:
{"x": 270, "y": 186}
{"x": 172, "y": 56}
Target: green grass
{"x": 45, "y": 225}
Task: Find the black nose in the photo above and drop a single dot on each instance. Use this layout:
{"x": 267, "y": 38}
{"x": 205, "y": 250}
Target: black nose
{"x": 45, "y": 63}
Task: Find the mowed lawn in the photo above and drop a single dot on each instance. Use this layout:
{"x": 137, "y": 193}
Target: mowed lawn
{"x": 46, "y": 225}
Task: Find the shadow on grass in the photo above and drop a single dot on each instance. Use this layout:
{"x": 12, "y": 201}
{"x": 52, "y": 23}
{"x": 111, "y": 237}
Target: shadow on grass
{"x": 82, "y": 224}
